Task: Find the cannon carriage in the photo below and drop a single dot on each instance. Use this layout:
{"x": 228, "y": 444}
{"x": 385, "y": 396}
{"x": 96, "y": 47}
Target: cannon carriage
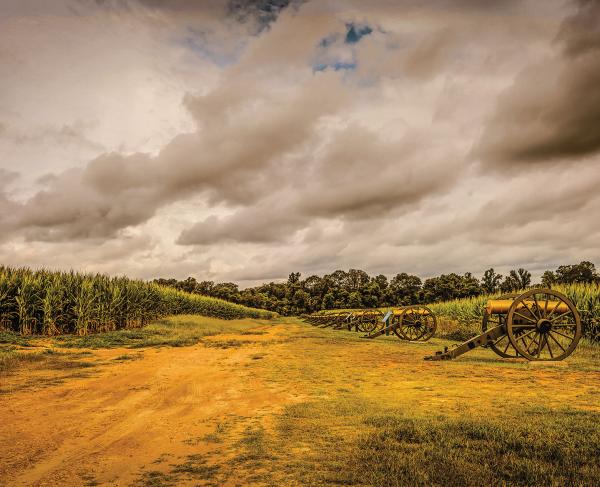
{"x": 365, "y": 320}
{"x": 336, "y": 320}
{"x": 411, "y": 323}
{"x": 540, "y": 324}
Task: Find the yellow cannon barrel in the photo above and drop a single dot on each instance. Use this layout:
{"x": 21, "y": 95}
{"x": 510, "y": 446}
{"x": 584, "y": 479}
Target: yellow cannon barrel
{"x": 501, "y": 306}
{"x": 416, "y": 311}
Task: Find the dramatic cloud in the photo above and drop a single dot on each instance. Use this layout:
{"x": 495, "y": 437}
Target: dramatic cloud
{"x": 242, "y": 140}
{"x": 552, "y": 111}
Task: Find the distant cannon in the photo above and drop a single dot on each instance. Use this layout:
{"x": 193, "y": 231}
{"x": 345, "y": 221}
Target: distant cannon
{"x": 540, "y": 324}
{"x": 412, "y": 323}
{"x": 336, "y": 320}
{"x": 365, "y": 320}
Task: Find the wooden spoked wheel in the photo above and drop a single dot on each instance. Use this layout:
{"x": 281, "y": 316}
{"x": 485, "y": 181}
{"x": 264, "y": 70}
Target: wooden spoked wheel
{"x": 543, "y": 324}
{"x": 502, "y": 346}
{"x": 370, "y": 321}
{"x": 417, "y": 323}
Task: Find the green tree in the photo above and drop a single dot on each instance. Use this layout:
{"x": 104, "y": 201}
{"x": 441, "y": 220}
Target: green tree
{"x": 293, "y": 278}
{"x": 516, "y": 280}
{"x": 300, "y": 301}
{"x": 583, "y": 272}
{"x": 356, "y": 279}
{"x": 548, "y": 279}
{"x": 404, "y": 289}
{"x": 328, "y": 301}
{"x": 189, "y": 285}
{"x": 205, "y": 287}
{"x": 371, "y": 295}
{"x": 226, "y": 290}
{"x": 355, "y": 300}
{"x": 490, "y": 282}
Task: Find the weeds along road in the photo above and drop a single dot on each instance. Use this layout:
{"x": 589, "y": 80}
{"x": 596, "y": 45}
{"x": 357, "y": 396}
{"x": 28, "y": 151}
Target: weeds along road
{"x": 289, "y": 404}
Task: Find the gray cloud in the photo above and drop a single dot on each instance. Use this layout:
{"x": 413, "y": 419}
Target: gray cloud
{"x": 230, "y": 157}
{"x": 279, "y": 152}
{"x": 552, "y": 111}
{"x": 357, "y": 176}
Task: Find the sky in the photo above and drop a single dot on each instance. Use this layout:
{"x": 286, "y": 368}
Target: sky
{"x": 241, "y": 140}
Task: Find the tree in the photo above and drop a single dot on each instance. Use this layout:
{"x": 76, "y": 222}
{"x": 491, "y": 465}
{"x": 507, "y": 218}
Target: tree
{"x": 300, "y": 301}
{"x": 356, "y": 279}
{"x": 293, "y": 278}
{"x": 355, "y": 300}
{"x": 404, "y": 289}
{"x": 189, "y": 285}
{"x": 469, "y": 286}
{"x": 548, "y": 279}
{"x": 227, "y": 291}
{"x": 521, "y": 277}
{"x": 205, "y": 287}
{"x": 516, "y": 280}
{"x": 490, "y": 282}
{"x": 313, "y": 285}
{"x": 371, "y": 295}
{"x": 381, "y": 281}
{"x": 450, "y": 286}
{"x": 583, "y": 272}
{"x": 328, "y": 301}
{"x": 338, "y": 278}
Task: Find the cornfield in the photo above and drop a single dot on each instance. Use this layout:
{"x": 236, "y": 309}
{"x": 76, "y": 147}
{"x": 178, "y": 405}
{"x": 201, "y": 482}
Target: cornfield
{"x": 469, "y": 311}
{"x": 53, "y": 303}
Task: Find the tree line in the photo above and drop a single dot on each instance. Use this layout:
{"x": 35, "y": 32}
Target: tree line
{"x": 356, "y": 289}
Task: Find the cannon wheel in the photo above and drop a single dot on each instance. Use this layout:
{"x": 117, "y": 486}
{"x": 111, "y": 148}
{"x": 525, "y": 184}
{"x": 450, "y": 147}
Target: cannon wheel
{"x": 502, "y": 346}
{"x": 538, "y": 331}
{"x": 416, "y": 326}
{"x": 369, "y": 322}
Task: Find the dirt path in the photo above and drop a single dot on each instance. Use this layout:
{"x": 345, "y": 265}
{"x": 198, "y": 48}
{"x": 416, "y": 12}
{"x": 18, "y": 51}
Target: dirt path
{"x": 110, "y": 427}
{"x": 172, "y": 410}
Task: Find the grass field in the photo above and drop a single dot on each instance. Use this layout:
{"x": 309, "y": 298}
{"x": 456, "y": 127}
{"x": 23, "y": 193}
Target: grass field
{"x": 196, "y": 401}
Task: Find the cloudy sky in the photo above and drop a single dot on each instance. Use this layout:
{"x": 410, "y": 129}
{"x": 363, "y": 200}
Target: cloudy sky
{"x": 244, "y": 139}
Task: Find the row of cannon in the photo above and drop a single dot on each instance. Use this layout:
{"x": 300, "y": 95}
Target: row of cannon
{"x": 412, "y": 323}
{"x": 539, "y": 324}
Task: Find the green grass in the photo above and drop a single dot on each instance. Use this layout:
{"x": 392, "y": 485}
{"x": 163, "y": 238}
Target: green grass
{"x": 12, "y": 338}
{"x": 174, "y": 331}
{"x": 16, "y": 351}
{"x": 11, "y": 359}
{"x": 354, "y": 441}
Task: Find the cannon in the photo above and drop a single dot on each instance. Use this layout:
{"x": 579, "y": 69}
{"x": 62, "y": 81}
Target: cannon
{"x": 365, "y": 320}
{"x": 540, "y": 324}
{"x": 412, "y": 323}
{"x": 336, "y": 320}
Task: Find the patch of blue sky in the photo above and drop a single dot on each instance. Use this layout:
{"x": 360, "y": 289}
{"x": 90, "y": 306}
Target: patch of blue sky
{"x": 329, "y": 40}
{"x": 337, "y": 66}
{"x": 200, "y": 44}
{"x": 336, "y": 51}
{"x": 355, "y": 32}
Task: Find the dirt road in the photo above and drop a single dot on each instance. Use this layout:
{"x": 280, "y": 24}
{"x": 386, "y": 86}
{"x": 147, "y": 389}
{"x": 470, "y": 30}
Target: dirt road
{"x": 184, "y": 416}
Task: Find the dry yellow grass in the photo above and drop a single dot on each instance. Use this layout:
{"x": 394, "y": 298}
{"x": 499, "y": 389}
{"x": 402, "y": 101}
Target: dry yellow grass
{"x": 284, "y": 403}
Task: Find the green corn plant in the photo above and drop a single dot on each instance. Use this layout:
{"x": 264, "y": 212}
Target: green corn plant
{"x": 28, "y": 302}
{"x": 52, "y": 303}
{"x": 69, "y": 302}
